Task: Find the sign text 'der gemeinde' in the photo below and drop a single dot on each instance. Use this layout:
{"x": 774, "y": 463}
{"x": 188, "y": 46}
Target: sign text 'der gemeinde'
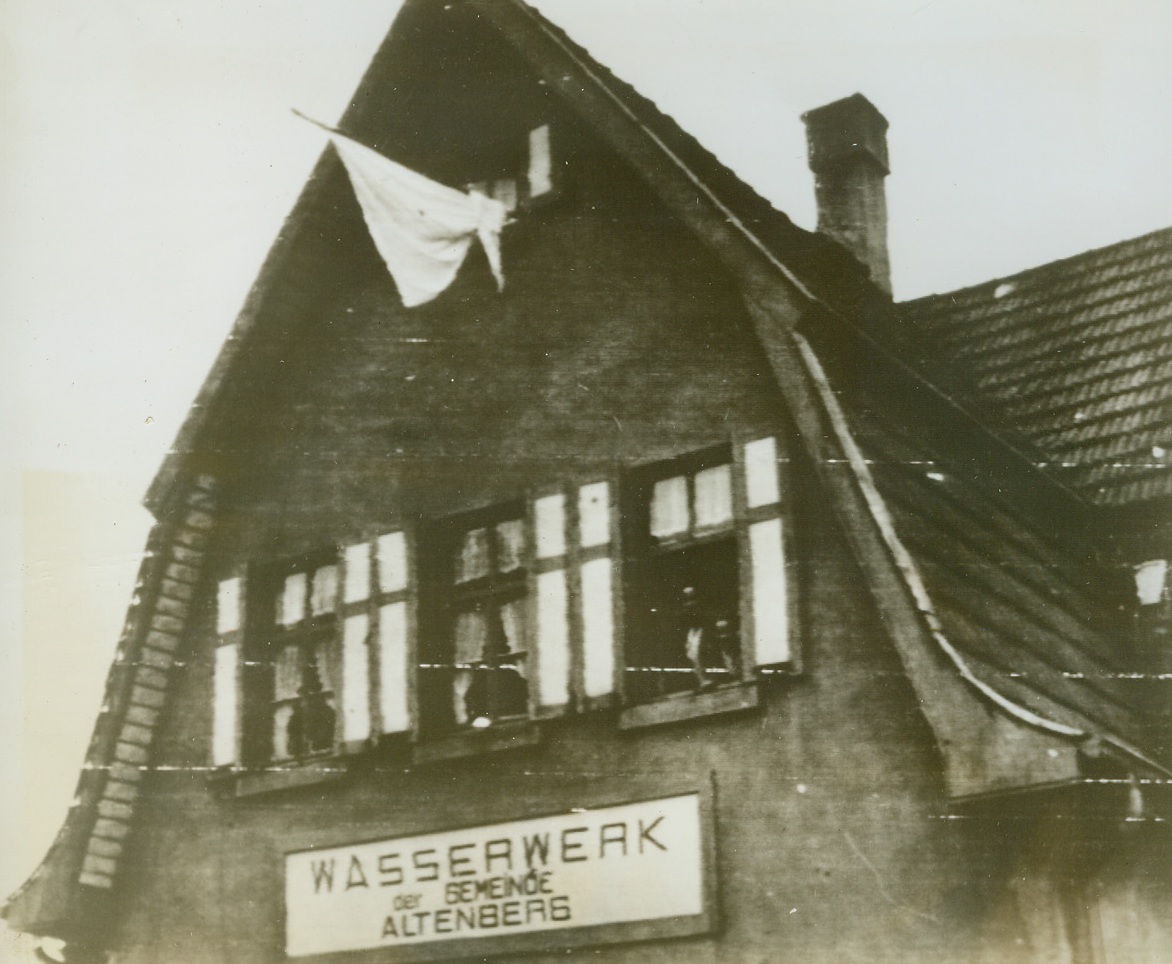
{"x": 631, "y": 862}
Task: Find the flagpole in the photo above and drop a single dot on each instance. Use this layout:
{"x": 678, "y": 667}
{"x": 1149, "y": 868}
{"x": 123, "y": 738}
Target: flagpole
{"x": 317, "y": 123}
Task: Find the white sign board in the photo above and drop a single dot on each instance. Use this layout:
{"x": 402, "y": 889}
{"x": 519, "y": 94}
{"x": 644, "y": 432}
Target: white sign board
{"x": 632, "y": 862}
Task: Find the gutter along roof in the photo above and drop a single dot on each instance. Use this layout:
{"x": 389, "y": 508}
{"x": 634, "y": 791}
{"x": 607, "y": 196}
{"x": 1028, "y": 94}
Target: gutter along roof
{"x": 992, "y": 619}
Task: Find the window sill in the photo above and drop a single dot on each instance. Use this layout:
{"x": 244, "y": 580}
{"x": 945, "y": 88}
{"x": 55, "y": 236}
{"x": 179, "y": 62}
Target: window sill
{"x": 279, "y": 777}
{"x": 731, "y": 698}
{"x": 514, "y": 735}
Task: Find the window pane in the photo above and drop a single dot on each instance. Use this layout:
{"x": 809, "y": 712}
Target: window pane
{"x": 325, "y": 591}
{"x": 470, "y": 636}
{"x": 594, "y": 514}
{"x": 355, "y": 679}
{"x": 224, "y": 732}
{"x": 669, "y": 507}
{"x": 228, "y": 606}
{"x": 540, "y": 163}
{"x": 322, "y": 665}
{"x": 513, "y": 624}
{"x": 357, "y": 572}
{"x": 281, "y": 731}
{"x": 392, "y": 667}
{"x": 287, "y": 673}
{"x": 714, "y": 496}
{"x": 549, "y": 517}
{"x": 761, "y": 486}
{"x": 392, "y": 562}
{"x": 291, "y": 602}
{"x": 510, "y": 537}
{"x": 473, "y": 559}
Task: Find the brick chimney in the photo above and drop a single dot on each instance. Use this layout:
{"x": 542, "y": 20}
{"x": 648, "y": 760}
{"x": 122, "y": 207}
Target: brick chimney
{"x": 848, "y": 154}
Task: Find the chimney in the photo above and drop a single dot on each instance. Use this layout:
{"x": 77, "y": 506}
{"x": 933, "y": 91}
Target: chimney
{"x": 848, "y": 154}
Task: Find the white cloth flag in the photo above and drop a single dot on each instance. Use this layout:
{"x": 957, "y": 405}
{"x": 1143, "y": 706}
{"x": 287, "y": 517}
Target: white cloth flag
{"x": 421, "y": 228}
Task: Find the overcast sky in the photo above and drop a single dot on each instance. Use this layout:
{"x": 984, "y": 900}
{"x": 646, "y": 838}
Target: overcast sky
{"x": 149, "y": 156}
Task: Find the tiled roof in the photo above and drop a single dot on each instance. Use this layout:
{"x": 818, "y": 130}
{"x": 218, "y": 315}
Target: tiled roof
{"x": 1012, "y": 599}
{"x": 1011, "y": 564}
{"x": 1076, "y": 357}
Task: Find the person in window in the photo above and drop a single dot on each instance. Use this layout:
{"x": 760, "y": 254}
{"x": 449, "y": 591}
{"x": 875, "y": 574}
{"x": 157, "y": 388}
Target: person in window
{"x": 709, "y": 641}
{"x": 497, "y": 688}
{"x": 311, "y": 725}
{"x": 496, "y": 692}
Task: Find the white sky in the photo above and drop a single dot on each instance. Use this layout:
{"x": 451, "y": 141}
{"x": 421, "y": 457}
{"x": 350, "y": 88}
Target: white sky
{"x": 149, "y": 157}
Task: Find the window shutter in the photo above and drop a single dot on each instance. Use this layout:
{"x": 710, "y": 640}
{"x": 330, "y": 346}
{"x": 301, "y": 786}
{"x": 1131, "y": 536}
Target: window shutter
{"x": 767, "y": 607}
{"x": 549, "y": 663}
{"x": 226, "y": 679}
{"x": 394, "y": 606}
{"x": 540, "y": 173}
{"x": 596, "y": 577}
{"x": 356, "y": 657}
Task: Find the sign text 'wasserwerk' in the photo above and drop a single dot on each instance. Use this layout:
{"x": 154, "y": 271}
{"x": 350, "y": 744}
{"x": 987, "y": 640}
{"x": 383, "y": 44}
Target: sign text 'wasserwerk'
{"x": 612, "y": 865}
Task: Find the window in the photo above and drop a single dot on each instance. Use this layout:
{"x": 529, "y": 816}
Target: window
{"x": 315, "y": 657}
{"x": 482, "y": 623}
{"x": 299, "y": 663}
{"x": 684, "y": 602}
{"x": 540, "y": 172}
{"x": 535, "y": 182}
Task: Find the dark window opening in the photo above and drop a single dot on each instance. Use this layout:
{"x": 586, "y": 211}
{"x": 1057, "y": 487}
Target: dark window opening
{"x": 685, "y": 629}
{"x": 684, "y": 594}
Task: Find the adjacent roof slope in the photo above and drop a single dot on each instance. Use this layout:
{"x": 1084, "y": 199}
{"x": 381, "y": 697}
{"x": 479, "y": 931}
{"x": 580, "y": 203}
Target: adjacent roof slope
{"x": 1006, "y": 566}
{"x": 1029, "y": 610}
{"x": 1077, "y": 357}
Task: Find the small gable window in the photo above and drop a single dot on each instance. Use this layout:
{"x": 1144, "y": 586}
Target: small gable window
{"x": 527, "y": 179}
{"x": 540, "y": 174}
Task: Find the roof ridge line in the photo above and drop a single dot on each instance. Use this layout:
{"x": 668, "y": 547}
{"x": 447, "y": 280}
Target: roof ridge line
{"x": 1044, "y": 266}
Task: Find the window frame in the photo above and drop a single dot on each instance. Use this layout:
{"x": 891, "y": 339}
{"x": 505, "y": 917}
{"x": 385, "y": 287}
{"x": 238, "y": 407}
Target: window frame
{"x": 443, "y": 599}
{"x": 642, "y": 549}
{"x": 513, "y": 185}
{"x": 267, "y": 636}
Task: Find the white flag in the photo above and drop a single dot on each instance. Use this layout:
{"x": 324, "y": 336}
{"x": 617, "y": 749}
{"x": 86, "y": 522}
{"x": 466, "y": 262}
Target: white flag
{"x": 421, "y": 228}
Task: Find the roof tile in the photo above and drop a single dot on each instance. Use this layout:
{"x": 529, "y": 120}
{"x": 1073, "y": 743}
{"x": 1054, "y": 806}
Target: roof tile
{"x": 1076, "y": 357}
